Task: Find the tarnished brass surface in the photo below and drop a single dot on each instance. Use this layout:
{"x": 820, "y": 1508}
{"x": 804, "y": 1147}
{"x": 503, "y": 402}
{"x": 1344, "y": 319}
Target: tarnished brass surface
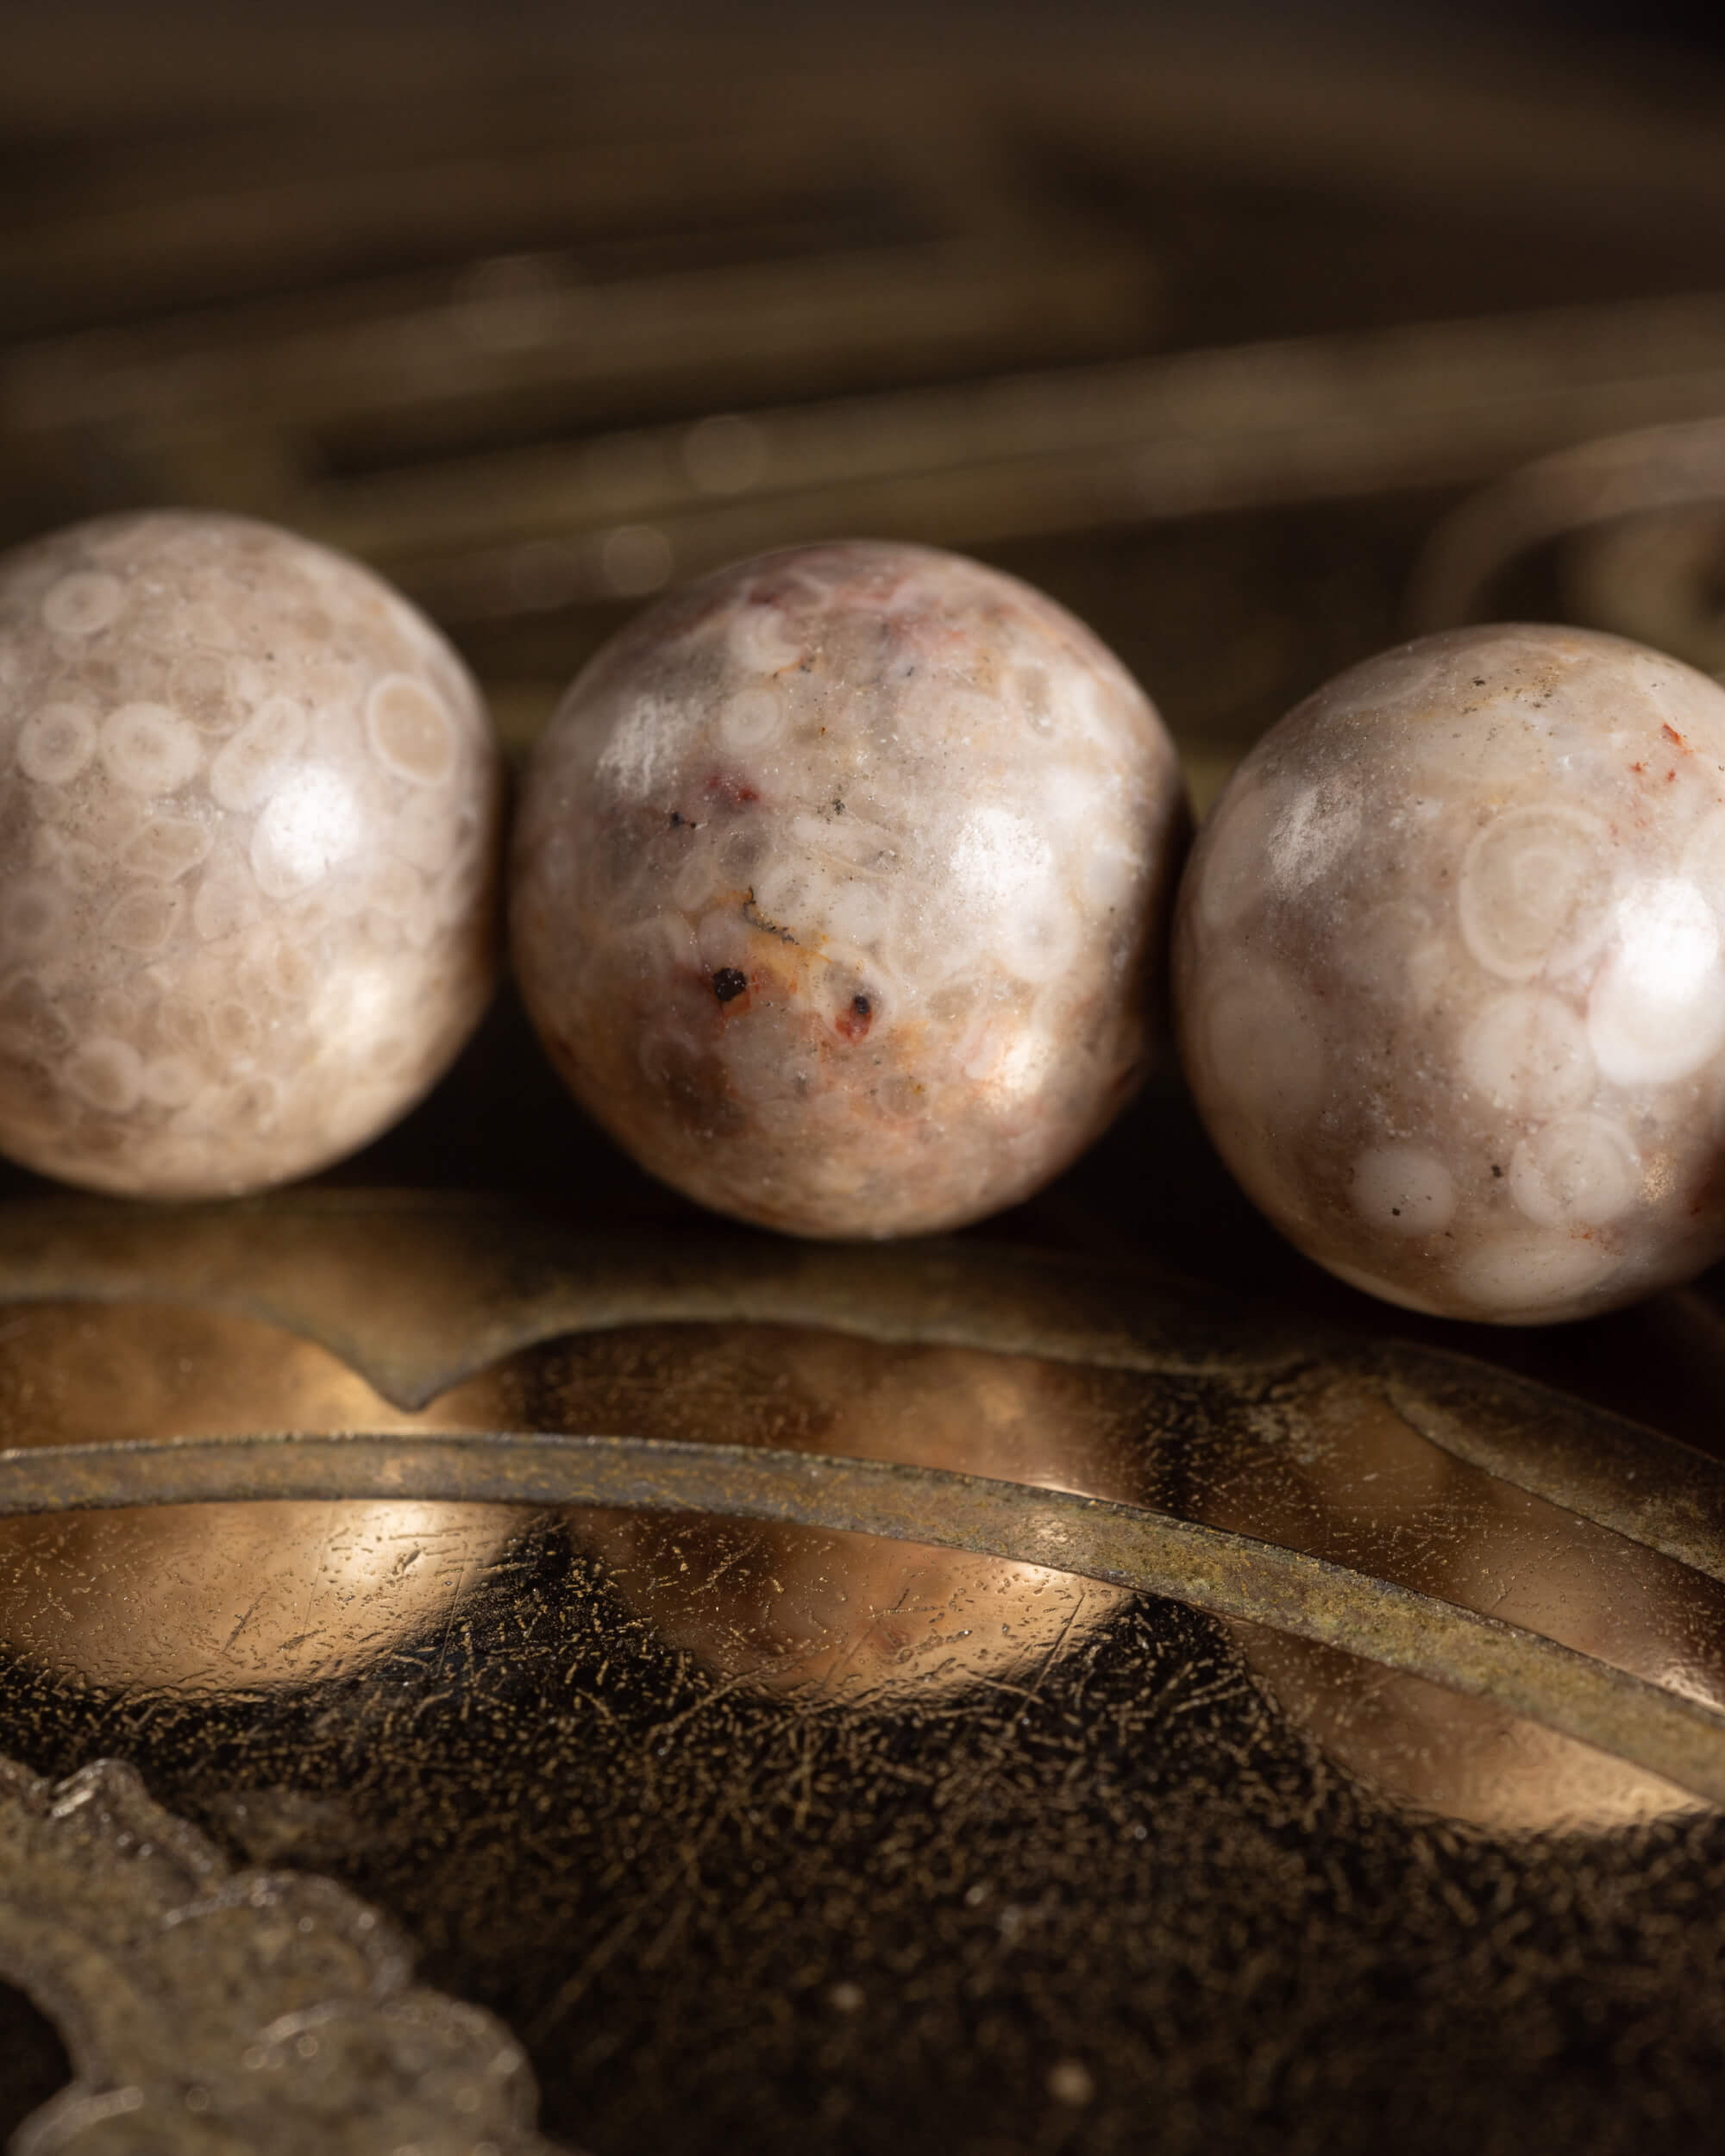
{"x": 689, "y": 1658}
{"x": 1092, "y": 1686}
{"x": 1219, "y": 1417}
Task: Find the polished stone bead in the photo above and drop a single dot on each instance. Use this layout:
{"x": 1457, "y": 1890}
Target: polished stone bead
{"x": 248, "y": 828}
{"x": 1449, "y": 979}
{"x": 839, "y": 885}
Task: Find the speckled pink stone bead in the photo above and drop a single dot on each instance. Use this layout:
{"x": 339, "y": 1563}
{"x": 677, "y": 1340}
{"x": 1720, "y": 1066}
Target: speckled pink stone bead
{"x": 838, "y": 885}
{"x": 1450, "y": 978}
{"x": 248, "y": 834}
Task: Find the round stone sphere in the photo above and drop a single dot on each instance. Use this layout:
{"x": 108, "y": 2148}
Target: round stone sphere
{"x": 249, "y": 812}
{"x": 839, "y": 885}
{"x": 1449, "y": 975}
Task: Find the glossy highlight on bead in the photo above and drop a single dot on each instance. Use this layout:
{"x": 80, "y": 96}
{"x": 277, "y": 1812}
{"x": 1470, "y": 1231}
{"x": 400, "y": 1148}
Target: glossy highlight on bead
{"x": 249, "y": 809}
{"x": 839, "y": 888}
{"x": 1449, "y": 974}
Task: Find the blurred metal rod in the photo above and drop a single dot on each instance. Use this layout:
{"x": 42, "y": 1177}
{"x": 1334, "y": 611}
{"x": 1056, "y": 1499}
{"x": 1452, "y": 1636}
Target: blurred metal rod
{"x": 1438, "y": 406}
{"x": 1658, "y": 467}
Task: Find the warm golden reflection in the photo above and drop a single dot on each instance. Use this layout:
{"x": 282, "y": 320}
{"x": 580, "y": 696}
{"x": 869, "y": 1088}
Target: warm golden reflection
{"x": 846, "y": 1616}
{"x": 218, "y": 1597}
{"x": 1357, "y": 1485}
{"x": 225, "y": 1597}
{"x": 1323, "y": 1464}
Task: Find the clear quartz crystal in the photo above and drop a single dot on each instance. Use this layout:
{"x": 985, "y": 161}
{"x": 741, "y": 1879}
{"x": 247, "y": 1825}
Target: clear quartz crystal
{"x": 249, "y": 833}
{"x": 1449, "y": 974}
{"x": 839, "y": 883}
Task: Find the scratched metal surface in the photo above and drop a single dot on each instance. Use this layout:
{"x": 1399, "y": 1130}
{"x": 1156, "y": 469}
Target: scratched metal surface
{"x": 1094, "y": 1684}
{"x": 970, "y": 1698}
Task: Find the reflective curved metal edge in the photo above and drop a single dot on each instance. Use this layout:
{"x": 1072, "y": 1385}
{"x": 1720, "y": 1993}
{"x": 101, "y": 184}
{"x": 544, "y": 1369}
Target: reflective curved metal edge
{"x": 510, "y": 1278}
{"x": 1648, "y": 1488}
{"x": 1210, "y": 1569}
{"x": 525, "y": 1280}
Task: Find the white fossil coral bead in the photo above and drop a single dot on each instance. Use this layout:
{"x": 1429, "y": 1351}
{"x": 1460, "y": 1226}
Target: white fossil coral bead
{"x": 249, "y": 811}
{"x": 1449, "y": 974}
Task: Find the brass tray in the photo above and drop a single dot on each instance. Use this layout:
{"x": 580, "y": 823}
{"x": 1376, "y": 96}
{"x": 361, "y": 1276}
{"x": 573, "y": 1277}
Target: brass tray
{"x": 495, "y": 1661}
